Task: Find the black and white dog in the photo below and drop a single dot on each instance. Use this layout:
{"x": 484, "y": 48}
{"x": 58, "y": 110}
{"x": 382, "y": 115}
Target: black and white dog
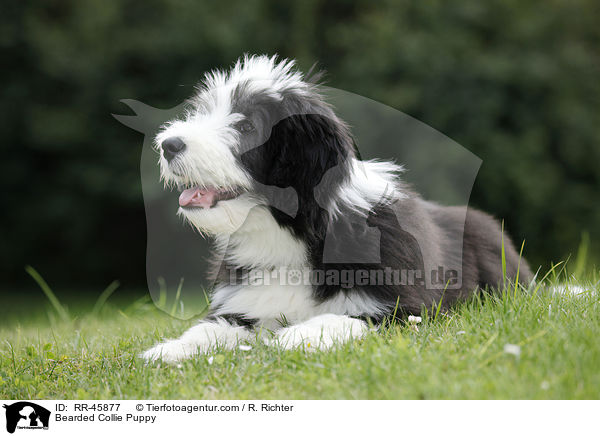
{"x": 270, "y": 172}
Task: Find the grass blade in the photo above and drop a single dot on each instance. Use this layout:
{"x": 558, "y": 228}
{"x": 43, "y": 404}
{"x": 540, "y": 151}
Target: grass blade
{"x": 582, "y": 256}
{"x": 59, "y": 308}
{"x": 503, "y": 259}
{"x": 177, "y": 296}
{"x": 519, "y": 268}
{"x": 110, "y": 289}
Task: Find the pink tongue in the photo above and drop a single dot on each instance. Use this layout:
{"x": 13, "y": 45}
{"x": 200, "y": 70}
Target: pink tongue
{"x": 196, "y": 197}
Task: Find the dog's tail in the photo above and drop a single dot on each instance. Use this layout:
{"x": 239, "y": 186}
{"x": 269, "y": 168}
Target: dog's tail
{"x": 570, "y": 289}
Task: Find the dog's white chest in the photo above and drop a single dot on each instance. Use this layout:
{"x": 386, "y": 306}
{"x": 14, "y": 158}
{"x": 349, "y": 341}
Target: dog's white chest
{"x": 266, "y": 303}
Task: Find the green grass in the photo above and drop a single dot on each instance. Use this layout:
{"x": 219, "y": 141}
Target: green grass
{"x": 458, "y": 355}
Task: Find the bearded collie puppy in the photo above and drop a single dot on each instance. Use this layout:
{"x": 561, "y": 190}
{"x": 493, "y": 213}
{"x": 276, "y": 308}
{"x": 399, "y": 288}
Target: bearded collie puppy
{"x": 312, "y": 243}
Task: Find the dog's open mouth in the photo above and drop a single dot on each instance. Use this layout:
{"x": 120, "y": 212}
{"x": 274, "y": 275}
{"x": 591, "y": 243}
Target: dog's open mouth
{"x": 206, "y": 197}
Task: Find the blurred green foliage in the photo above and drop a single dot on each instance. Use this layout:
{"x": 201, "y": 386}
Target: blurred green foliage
{"x": 514, "y": 82}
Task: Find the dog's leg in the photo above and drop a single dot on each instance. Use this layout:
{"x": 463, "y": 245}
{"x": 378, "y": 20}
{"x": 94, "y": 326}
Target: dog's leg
{"x": 321, "y": 332}
{"x": 198, "y": 340}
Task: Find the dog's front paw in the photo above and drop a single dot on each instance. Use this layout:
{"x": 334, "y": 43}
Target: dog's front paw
{"x": 321, "y": 332}
{"x": 170, "y": 352}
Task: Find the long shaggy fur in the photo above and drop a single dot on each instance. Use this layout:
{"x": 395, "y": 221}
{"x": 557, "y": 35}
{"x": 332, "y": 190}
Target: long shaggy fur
{"x": 293, "y": 196}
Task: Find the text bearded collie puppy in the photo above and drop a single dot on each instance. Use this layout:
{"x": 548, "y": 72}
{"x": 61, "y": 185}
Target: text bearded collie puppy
{"x": 270, "y": 172}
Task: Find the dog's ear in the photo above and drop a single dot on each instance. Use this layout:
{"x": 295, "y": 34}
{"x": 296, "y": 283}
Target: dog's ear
{"x": 298, "y": 153}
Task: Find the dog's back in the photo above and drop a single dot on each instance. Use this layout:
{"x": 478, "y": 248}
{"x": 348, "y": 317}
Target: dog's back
{"x": 437, "y": 253}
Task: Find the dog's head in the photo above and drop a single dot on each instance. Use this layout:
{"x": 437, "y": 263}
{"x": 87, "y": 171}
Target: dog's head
{"x": 247, "y": 135}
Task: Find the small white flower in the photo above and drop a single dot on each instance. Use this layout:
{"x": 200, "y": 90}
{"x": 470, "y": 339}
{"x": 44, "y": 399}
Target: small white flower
{"x": 462, "y": 332}
{"x": 413, "y": 321}
{"x": 513, "y": 349}
{"x": 210, "y": 360}
{"x": 545, "y": 385}
{"x": 245, "y": 347}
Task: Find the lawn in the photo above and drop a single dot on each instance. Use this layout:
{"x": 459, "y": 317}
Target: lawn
{"x": 517, "y": 346}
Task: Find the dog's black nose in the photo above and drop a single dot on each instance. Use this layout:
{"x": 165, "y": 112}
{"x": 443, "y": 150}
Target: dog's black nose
{"x": 172, "y": 147}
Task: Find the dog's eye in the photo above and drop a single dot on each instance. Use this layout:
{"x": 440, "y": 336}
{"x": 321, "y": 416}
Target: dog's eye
{"x": 245, "y": 126}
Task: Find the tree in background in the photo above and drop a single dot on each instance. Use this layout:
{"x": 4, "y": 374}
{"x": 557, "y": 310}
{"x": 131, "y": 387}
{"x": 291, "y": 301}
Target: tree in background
{"x": 514, "y": 82}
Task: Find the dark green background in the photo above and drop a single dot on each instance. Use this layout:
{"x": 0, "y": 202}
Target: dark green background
{"x": 515, "y": 82}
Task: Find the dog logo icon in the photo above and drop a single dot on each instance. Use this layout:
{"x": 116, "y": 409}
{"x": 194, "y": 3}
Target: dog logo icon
{"x": 26, "y": 415}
